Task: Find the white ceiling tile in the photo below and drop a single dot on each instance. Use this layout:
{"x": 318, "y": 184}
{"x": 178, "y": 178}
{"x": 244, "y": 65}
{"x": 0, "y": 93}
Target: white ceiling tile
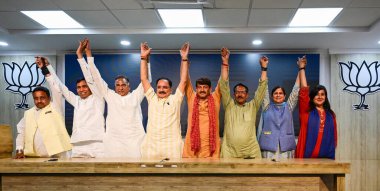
{"x": 95, "y": 19}
{"x": 357, "y": 17}
{"x": 365, "y": 3}
{"x": 122, "y": 4}
{"x": 276, "y": 4}
{"x": 228, "y": 4}
{"x": 324, "y": 3}
{"x": 27, "y": 5}
{"x": 80, "y": 5}
{"x": 270, "y": 17}
{"x": 139, "y": 18}
{"x": 225, "y": 17}
{"x": 17, "y": 20}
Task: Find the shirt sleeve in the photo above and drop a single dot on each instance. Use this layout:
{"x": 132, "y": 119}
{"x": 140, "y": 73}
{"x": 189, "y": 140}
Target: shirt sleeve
{"x": 56, "y": 96}
{"x": 266, "y": 100}
{"x": 303, "y": 115}
{"x": 87, "y": 75}
{"x": 139, "y": 93}
{"x": 178, "y": 96}
{"x": 259, "y": 94}
{"x": 293, "y": 97}
{"x": 225, "y": 92}
{"x": 304, "y": 100}
{"x": 56, "y": 85}
{"x": 217, "y": 94}
{"x": 150, "y": 94}
{"x": 20, "y": 134}
{"x": 189, "y": 90}
{"x": 100, "y": 84}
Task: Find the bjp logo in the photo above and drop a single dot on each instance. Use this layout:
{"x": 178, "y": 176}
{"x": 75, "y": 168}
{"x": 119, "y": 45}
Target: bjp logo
{"x": 361, "y": 80}
{"x": 22, "y": 80}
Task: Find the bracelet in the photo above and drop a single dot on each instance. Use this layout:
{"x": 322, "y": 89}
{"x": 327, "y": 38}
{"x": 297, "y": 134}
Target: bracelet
{"x": 185, "y": 60}
{"x": 223, "y": 64}
{"x": 299, "y": 69}
{"x": 144, "y": 58}
{"x": 264, "y": 69}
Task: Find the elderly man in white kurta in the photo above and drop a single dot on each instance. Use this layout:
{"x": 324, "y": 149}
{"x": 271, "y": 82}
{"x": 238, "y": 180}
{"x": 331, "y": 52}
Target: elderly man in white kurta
{"x": 88, "y": 123}
{"x": 124, "y": 128}
{"x": 163, "y": 138}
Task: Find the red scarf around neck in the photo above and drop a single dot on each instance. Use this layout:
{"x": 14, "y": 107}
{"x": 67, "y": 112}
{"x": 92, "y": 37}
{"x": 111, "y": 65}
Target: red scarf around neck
{"x": 195, "y": 132}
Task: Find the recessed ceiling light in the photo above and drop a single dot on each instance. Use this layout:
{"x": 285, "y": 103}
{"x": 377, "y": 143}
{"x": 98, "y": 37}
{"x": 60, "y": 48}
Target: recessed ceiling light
{"x": 314, "y": 16}
{"x": 53, "y": 19}
{"x": 3, "y": 43}
{"x": 125, "y": 43}
{"x": 182, "y": 17}
{"x": 257, "y": 42}
{"x": 378, "y": 42}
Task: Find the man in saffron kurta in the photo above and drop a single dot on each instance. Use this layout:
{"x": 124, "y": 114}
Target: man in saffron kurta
{"x": 239, "y": 140}
{"x": 202, "y": 137}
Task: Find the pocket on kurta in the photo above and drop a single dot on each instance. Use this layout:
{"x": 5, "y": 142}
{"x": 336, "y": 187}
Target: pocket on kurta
{"x": 168, "y": 108}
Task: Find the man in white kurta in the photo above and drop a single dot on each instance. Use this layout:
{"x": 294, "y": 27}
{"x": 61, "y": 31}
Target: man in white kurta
{"x": 163, "y": 139}
{"x": 88, "y": 123}
{"x": 42, "y": 132}
{"x": 124, "y": 128}
{"x": 164, "y": 129}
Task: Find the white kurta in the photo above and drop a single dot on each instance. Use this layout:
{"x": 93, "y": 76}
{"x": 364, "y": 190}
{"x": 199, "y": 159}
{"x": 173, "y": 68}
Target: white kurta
{"x": 88, "y": 122}
{"x": 124, "y": 128}
{"x": 163, "y": 138}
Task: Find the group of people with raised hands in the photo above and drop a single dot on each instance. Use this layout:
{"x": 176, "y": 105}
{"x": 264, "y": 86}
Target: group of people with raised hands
{"x": 42, "y": 133}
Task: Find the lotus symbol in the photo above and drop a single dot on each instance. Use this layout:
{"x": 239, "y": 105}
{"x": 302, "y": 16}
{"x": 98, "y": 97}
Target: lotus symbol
{"x": 362, "y": 81}
{"x": 22, "y": 80}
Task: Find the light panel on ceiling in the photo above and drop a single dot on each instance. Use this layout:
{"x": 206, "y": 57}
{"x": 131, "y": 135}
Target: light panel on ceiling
{"x": 181, "y": 17}
{"x": 53, "y": 19}
{"x": 314, "y": 17}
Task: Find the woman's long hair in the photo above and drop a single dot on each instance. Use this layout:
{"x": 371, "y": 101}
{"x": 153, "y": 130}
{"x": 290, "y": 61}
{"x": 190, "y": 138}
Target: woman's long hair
{"x": 314, "y": 92}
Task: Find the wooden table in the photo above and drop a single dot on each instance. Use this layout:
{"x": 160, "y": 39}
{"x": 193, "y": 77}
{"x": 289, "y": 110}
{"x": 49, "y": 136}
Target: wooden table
{"x": 185, "y": 174}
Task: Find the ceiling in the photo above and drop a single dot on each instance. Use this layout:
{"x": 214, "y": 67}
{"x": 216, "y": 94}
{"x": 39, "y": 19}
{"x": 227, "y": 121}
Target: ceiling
{"x": 230, "y": 23}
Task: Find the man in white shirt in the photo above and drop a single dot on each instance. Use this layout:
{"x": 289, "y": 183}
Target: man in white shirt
{"x": 42, "y": 132}
{"x": 124, "y": 128}
{"x": 163, "y": 138}
{"x": 88, "y": 123}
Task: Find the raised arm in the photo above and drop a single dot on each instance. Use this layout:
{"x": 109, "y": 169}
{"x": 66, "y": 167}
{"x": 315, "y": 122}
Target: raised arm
{"x": 184, "y": 71}
{"x": 301, "y": 67}
{"x": 84, "y": 46}
{"x": 263, "y": 83}
{"x": 293, "y": 97}
{"x": 223, "y": 82}
{"x": 56, "y": 85}
{"x": 264, "y": 67}
{"x": 304, "y": 91}
{"x": 43, "y": 64}
{"x": 101, "y": 87}
{"x": 225, "y": 53}
{"x": 145, "y": 52}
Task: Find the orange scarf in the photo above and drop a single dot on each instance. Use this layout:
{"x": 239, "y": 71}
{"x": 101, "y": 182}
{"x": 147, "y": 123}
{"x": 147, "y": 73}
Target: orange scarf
{"x": 195, "y": 132}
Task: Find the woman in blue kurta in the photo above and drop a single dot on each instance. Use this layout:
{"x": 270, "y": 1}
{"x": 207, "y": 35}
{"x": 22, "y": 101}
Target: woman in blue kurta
{"x": 277, "y": 138}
